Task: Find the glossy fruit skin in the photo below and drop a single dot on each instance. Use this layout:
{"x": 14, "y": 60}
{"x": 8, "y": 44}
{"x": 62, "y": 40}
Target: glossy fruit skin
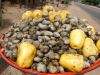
{"x": 72, "y": 62}
{"x": 52, "y": 15}
{"x": 63, "y": 14}
{"x": 47, "y": 8}
{"x": 98, "y": 45}
{"x": 77, "y": 37}
{"x": 26, "y": 54}
{"x": 89, "y": 48}
{"x": 27, "y": 15}
{"x": 37, "y": 14}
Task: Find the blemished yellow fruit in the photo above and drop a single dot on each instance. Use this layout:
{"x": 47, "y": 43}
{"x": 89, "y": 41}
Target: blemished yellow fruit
{"x": 48, "y": 8}
{"x": 89, "y": 48}
{"x": 72, "y": 62}
{"x": 98, "y": 45}
{"x": 27, "y": 15}
{"x": 77, "y": 37}
{"x": 37, "y": 14}
{"x": 92, "y": 29}
{"x": 64, "y": 14}
{"x": 52, "y": 15}
{"x": 26, "y": 54}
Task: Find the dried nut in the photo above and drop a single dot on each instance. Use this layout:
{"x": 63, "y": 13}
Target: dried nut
{"x": 44, "y": 49}
{"x": 53, "y": 38}
{"x": 16, "y": 29}
{"x": 66, "y": 20}
{"x": 66, "y": 40}
{"x": 52, "y": 42}
{"x": 19, "y": 36}
{"x": 47, "y": 33}
{"x": 61, "y": 69}
{"x": 34, "y": 66}
{"x": 57, "y": 56}
{"x": 89, "y": 33}
{"x": 8, "y": 34}
{"x": 92, "y": 59}
{"x": 46, "y": 38}
{"x": 45, "y": 22}
{"x": 60, "y": 30}
{"x": 68, "y": 27}
{"x": 50, "y": 54}
{"x": 52, "y": 69}
{"x": 16, "y": 41}
{"x": 33, "y": 22}
{"x": 39, "y": 53}
{"x": 64, "y": 34}
{"x": 3, "y": 44}
{"x": 57, "y": 18}
{"x": 56, "y": 34}
{"x": 13, "y": 46}
{"x": 71, "y": 51}
{"x": 6, "y": 39}
{"x": 85, "y": 30}
{"x": 86, "y": 64}
{"x": 34, "y": 37}
{"x": 9, "y": 54}
{"x": 41, "y": 67}
{"x": 14, "y": 35}
{"x": 25, "y": 29}
{"x": 61, "y": 52}
{"x": 40, "y": 38}
{"x": 40, "y": 19}
{"x": 52, "y": 28}
{"x": 56, "y": 24}
{"x": 22, "y": 25}
{"x": 64, "y": 25}
{"x": 26, "y": 36}
{"x": 47, "y": 18}
{"x": 38, "y": 33}
{"x": 36, "y": 43}
{"x": 56, "y": 48}
{"x": 15, "y": 51}
{"x": 74, "y": 21}
{"x": 43, "y": 27}
{"x": 45, "y": 60}
{"x": 55, "y": 62}
{"x": 37, "y": 59}
{"x": 50, "y": 46}
{"x": 10, "y": 43}
{"x": 27, "y": 40}
{"x": 31, "y": 33}
{"x": 93, "y": 37}
{"x": 64, "y": 47}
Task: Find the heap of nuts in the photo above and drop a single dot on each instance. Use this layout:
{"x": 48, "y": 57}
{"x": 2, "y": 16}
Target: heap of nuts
{"x": 51, "y": 37}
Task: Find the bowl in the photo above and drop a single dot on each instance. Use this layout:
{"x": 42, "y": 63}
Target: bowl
{"x": 12, "y": 63}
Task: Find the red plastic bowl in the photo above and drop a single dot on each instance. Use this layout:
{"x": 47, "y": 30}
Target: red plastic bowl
{"x": 95, "y": 65}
